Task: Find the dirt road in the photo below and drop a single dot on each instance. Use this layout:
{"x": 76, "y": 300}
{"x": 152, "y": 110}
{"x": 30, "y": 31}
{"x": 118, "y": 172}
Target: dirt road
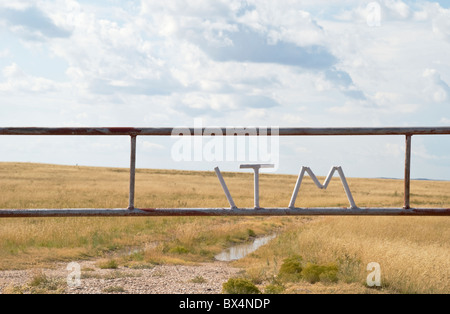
{"x": 202, "y": 279}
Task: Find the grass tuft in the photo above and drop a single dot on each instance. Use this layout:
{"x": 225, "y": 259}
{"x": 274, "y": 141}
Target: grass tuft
{"x": 274, "y": 289}
{"x": 413, "y": 252}
{"x": 114, "y": 289}
{"x": 108, "y": 264}
{"x": 325, "y": 273}
{"x": 198, "y": 279}
{"x": 291, "y": 269}
{"x": 240, "y": 286}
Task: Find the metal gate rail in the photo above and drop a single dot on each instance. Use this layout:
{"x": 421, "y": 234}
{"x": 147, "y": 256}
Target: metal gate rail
{"x": 406, "y": 210}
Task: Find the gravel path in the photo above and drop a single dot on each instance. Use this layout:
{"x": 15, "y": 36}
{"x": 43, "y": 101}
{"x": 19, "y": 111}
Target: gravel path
{"x": 202, "y": 279}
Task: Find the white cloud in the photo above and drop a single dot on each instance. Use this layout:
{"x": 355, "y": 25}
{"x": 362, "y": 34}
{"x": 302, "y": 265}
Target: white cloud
{"x": 18, "y": 81}
{"x": 13, "y": 72}
{"x": 444, "y": 120}
{"x": 195, "y": 8}
{"x": 438, "y": 16}
{"x": 302, "y": 150}
{"x": 5, "y": 53}
{"x": 31, "y": 23}
{"x": 441, "y": 24}
{"x": 298, "y": 63}
{"x": 421, "y": 151}
{"x": 283, "y": 23}
{"x": 397, "y": 8}
{"x": 394, "y": 150}
{"x": 437, "y": 88}
{"x": 18, "y": 4}
{"x": 151, "y": 147}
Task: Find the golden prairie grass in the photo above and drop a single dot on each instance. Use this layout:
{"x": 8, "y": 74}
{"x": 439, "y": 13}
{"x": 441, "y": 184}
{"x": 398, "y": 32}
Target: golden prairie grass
{"x": 26, "y": 185}
{"x": 413, "y": 252}
{"x": 37, "y": 241}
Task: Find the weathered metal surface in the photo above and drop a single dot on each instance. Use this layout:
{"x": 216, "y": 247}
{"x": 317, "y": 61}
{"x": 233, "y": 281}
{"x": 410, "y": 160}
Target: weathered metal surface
{"x": 256, "y": 168}
{"x": 286, "y": 211}
{"x": 407, "y": 194}
{"x": 225, "y": 188}
{"x": 238, "y": 131}
{"x": 132, "y": 172}
{"x": 346, "y": 187}
{"x": 322, "y": 186}
{"x": 234, "y": 211}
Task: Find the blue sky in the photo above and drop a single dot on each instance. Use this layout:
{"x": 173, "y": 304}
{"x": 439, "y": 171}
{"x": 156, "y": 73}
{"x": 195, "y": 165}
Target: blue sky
{"x": 230, "y": 63}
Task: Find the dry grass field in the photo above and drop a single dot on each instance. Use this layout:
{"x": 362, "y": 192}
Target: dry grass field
{"x": 413, "y": 252}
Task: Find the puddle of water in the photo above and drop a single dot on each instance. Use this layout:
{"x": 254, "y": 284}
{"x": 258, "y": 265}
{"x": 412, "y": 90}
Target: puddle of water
{"x": 240, "y": 251}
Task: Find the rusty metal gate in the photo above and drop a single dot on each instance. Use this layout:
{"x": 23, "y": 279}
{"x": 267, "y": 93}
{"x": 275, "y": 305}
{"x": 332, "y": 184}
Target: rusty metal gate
{"x": 291, "y": 210}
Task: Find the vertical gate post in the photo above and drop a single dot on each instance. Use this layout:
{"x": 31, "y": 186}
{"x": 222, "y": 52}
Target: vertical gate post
{"x": 256, "y": 188}
{"x": 407, "y": 204}
{"x": 132, "y": 172}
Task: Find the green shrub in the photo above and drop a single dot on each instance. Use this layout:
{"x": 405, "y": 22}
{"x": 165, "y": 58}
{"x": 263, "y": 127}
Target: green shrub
{"x": 240, "y": 286}
{"x": 314, "y": 273}
{"x": 329, "y": 275}
{"x": 179, "y": 250}
{"x": 291, "y": 269}
{"x": 198, "y": 279}
{"x": 114, "y": 289}
{"x": 274, "y": 289}
{"x": 39, "y": 279}
{"x": 251, "y": 233}
{"x": 138, "y": 256}
{"x": 109, "y": 264}
{"x": 41, "y": 284}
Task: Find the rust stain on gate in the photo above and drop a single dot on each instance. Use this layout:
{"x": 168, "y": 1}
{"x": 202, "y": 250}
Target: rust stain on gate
{"x": 406, "y": 210}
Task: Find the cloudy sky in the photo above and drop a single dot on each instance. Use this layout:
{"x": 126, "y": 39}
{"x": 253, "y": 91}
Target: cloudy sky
{"x": 296, "y": 63}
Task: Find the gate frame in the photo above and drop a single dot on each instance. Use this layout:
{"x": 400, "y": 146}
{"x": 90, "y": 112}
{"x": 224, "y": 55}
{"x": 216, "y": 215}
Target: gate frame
{"x": 406, "y": 210}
